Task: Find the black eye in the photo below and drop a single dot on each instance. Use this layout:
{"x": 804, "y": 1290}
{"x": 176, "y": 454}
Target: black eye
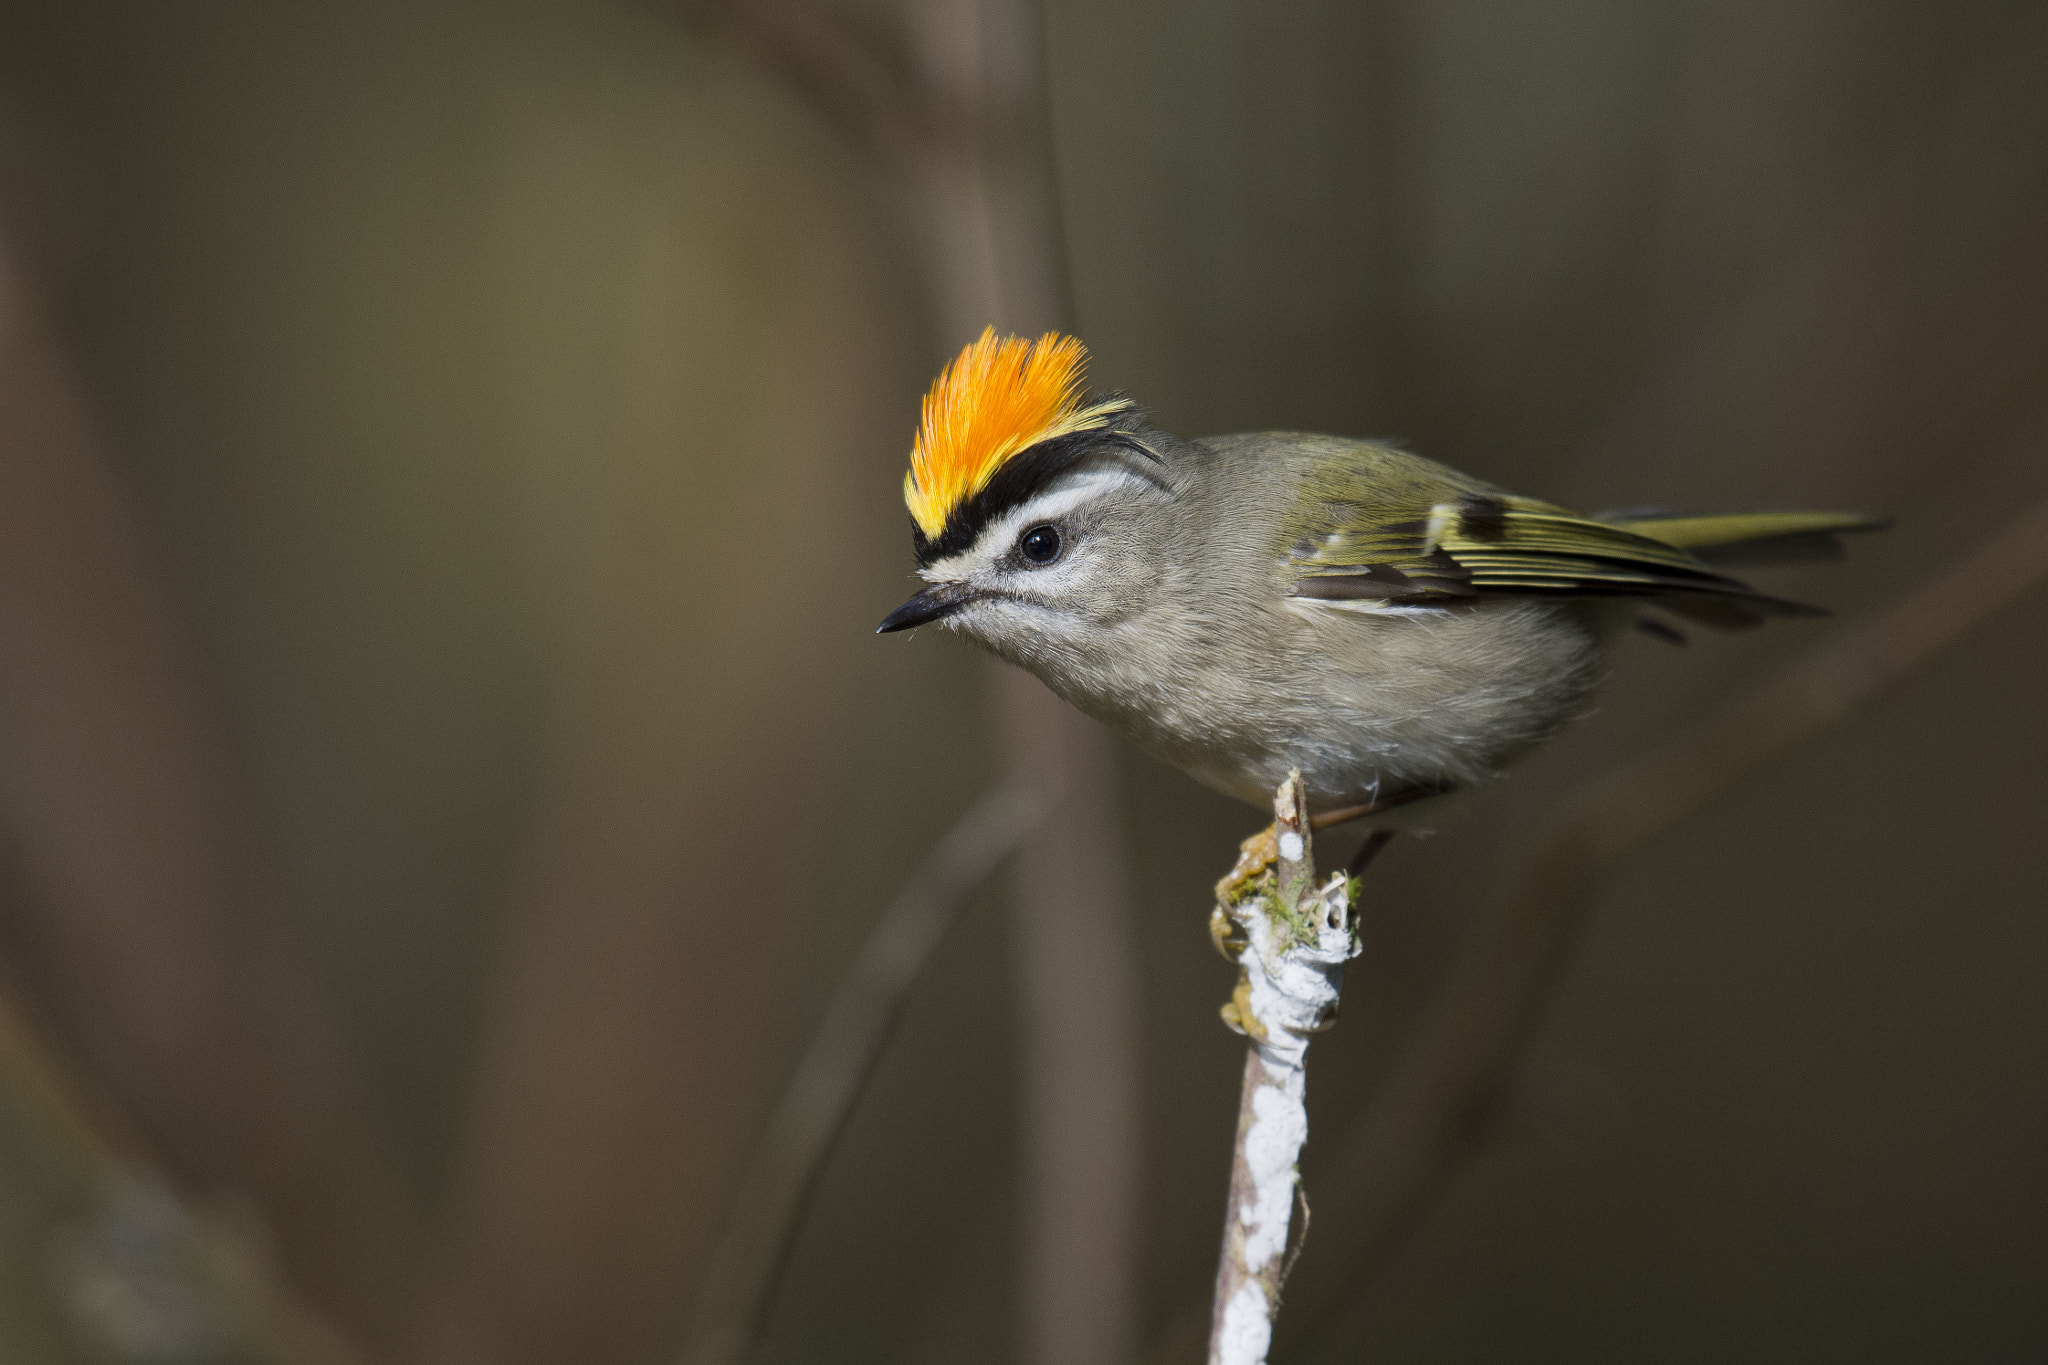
{"x": 1040, "y": 544}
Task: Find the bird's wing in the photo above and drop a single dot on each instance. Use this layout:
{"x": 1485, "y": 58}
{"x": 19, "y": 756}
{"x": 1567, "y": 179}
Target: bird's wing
{"x": 1495, "y": 545}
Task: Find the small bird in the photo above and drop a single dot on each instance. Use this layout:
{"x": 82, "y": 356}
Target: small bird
{"x": 1243, "y": 606}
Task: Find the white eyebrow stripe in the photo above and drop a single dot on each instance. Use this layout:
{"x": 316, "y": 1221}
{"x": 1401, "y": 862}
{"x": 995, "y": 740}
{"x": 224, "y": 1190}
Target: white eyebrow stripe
{"x": 1063, "y": 497}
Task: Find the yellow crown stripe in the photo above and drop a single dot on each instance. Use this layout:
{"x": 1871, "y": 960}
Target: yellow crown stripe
{"x": 999, "y": 397}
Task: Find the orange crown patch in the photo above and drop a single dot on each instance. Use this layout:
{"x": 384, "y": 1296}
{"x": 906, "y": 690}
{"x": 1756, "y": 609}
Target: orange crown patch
{"x": 997, "y": 399}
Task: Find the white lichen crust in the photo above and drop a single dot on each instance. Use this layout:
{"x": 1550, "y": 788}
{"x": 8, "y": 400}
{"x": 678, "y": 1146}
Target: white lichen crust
{"x": 1247, "y": 1330}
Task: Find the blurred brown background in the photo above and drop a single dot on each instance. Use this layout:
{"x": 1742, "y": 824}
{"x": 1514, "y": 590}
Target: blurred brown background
{"x": 449, "y": 467}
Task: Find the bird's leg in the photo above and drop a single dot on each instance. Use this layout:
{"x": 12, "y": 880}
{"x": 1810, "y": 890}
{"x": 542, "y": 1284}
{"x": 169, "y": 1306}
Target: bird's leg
{"x": 1367, "y": 851}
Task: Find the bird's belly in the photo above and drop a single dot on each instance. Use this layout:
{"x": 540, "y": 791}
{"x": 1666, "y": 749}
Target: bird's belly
{"x": 1371, "y": 713}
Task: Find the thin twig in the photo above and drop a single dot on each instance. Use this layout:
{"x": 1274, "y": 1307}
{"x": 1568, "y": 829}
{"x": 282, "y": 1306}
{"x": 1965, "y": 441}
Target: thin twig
{"x": 769, "y": 1201}
{"x": 1297, "y": 937}
{"x": 1423, "y": 1121}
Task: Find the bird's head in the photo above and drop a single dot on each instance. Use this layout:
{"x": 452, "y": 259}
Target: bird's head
{"x": 1034, "y": 504}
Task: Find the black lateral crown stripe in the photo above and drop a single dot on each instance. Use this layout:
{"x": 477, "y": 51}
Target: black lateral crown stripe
{"x": 1021, "y": 476}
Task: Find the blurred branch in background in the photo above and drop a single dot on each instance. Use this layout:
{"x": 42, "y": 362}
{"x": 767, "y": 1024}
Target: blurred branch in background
{"x": 35, "y": 1076}
{"x": 965, "y": 122}
{"x": 1002, "y": 261}
{"x": 1079, "y": 986}
{"x": 1435, "y": 1106}
{"x": 783, "y": 1170}
{"x": 142, "y": 920}
{"x": 135, "y": 1273}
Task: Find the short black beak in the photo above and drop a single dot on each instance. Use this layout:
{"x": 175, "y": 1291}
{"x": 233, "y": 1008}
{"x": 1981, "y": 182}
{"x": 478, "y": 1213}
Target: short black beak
{"x": 940, "y": 599}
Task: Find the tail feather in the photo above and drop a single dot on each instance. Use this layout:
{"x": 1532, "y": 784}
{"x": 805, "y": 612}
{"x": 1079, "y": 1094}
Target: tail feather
{"x": 1754, "y": 538}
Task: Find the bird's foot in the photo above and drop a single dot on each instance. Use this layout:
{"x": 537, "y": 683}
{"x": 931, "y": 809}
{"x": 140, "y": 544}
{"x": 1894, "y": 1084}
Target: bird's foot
{"x": 1227, "y": 934}
{"x": 1254, "y": 856}
{"x": 1237, "y": 1011}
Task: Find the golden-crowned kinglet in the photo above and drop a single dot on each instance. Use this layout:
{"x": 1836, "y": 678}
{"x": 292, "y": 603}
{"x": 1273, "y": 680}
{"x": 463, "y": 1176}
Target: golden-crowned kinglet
{"x": 1246, "y": 605}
